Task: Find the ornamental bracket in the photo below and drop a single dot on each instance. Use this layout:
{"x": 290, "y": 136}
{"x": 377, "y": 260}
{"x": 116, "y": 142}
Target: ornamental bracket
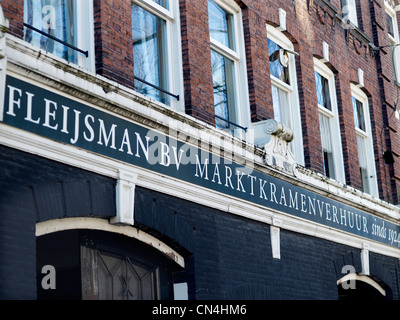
{"x": 277, "y": 150}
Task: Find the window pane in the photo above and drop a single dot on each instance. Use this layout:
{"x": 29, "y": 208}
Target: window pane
{"x": 163, "y": 3}
{"x": 56, "y": 18}
{"x": 349, "y": 11}
{"x": 323, "y": 95}
{"x": 149, "y": 54}
{"x": 276, "y": 68}
{"x": 363, "y": 162}
{"x": 328, "y": 164}
{"x": 358, "y": 111}
{"x": 326, "y": 134}
{"x": 222, "y": 69}
{"x": 220, "y": 24}
{"x": 326, "y": 143}
{"x": 389, "y": 22}
{"x": 280, "y": 99}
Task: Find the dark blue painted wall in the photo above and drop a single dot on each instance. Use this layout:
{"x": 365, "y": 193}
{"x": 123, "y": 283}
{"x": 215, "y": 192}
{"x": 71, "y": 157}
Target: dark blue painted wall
{"x": 33, "y": 189}
{"x": 231, "y": 256}
{"x": 227, "y": 256}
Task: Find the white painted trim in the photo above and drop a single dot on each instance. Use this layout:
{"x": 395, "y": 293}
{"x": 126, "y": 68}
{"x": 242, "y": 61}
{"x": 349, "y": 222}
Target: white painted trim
{"x": 373, "y": 182}
{"x": 155, "y": 8}
{"x": 363, "y": 278}
{"x": 294, "y": 104}
{"x": 365, "y": 259}
{"x": 125, "y": 198}
{"x": 238, "y": 57}
{"x": 333, "y": 115}
{"x": 275, "y": 242}
{"x": 51, "y": 226}
{"x": 181, "y": 291}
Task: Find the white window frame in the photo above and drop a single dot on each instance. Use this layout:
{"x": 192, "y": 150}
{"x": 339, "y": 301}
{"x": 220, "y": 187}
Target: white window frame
{"x": 349, "y": 11}
{"x": 293, "y": 108}
{"x": 333, "y": 115}
{"x": 238, "y": 57}
{"x": 85, "y": 36}
{"x": 393, "y": 41}
{"x": 173, "y": 47}
{"x": 367, "y": 137}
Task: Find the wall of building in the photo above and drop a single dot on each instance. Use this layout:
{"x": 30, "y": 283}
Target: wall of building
{"x": 231, "y": 257}
{"x": 309, "y": 23}
{"x": 35, "y": 189}
{"x": 227, "y": 255}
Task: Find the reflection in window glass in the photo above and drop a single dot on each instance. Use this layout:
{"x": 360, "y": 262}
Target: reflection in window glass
{"x": 323, "y": 94}
{"x": 149, "y": 53}
{"x": 56, "y": 18}
{"x": 222, "y": 86}
{"x": 220, "y": 24}
{"x": 389, "y": 23}
{"x": 358, "y": 111}
{"x": 276, "y": 68}
{"x": 163, "y": 3}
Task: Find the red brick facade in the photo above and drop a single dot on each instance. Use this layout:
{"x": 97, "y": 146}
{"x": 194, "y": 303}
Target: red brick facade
{"x": 309, "y": 23}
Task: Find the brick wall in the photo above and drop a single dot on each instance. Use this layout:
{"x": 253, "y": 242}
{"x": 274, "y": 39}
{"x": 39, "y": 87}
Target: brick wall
{"x": 309, "y": 23}
{"x": 14, "y": 11}
{"x": 197, "y": 73}
{"x": 113, "y": 40}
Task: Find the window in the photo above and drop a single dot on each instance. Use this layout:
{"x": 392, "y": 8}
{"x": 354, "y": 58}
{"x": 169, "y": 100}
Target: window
{"x": 61, "y": 19}
{"x": 329, "y": 122}
{"x": 284, "y": 87}
{"x": 349, "y": 11}
{"x": 393, "y": 35}
{"x": 156, "y": 50}
{"x": 228, "y": 65}
{"x": 366, "y": 157}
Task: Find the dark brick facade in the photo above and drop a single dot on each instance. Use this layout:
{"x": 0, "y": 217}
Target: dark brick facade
{"x": 308, "y": 24}
{"x": 34, "y": 189}
{"x": 227, "y": 257}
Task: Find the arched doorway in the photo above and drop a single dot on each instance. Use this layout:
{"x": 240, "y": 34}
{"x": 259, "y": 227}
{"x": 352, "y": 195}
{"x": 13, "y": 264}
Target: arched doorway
{"x": 98, "y": 264}
{"x": 361, "y": 287}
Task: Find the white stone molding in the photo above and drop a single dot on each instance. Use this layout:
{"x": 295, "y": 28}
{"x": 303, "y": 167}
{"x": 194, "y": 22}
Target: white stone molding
{"x": 125, "y": 198}
{"x": 4, "y": 25}
{"x": 277, "y": 150}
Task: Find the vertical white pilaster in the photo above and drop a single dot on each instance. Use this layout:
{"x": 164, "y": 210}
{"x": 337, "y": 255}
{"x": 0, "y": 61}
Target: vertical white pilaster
{"x": 276, "y": 238}
{"x": 365, "y": 259}
{"x": 181, "y": 291}
{"x": 282, "y": 20}
{"x": 4, "y": 25}
{"x": 125, "y": 198}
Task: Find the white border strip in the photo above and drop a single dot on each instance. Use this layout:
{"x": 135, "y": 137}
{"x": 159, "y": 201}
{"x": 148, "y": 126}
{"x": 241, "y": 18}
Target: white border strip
{"x": 43, "y": 228}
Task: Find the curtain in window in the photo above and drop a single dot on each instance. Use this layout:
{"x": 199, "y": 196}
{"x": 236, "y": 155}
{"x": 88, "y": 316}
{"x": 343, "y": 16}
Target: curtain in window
{"x": 326, "y": 139}
{"x": 281, "y": 105}
{"x": 56, "y": 18}
{"x": 362, "y": 152}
